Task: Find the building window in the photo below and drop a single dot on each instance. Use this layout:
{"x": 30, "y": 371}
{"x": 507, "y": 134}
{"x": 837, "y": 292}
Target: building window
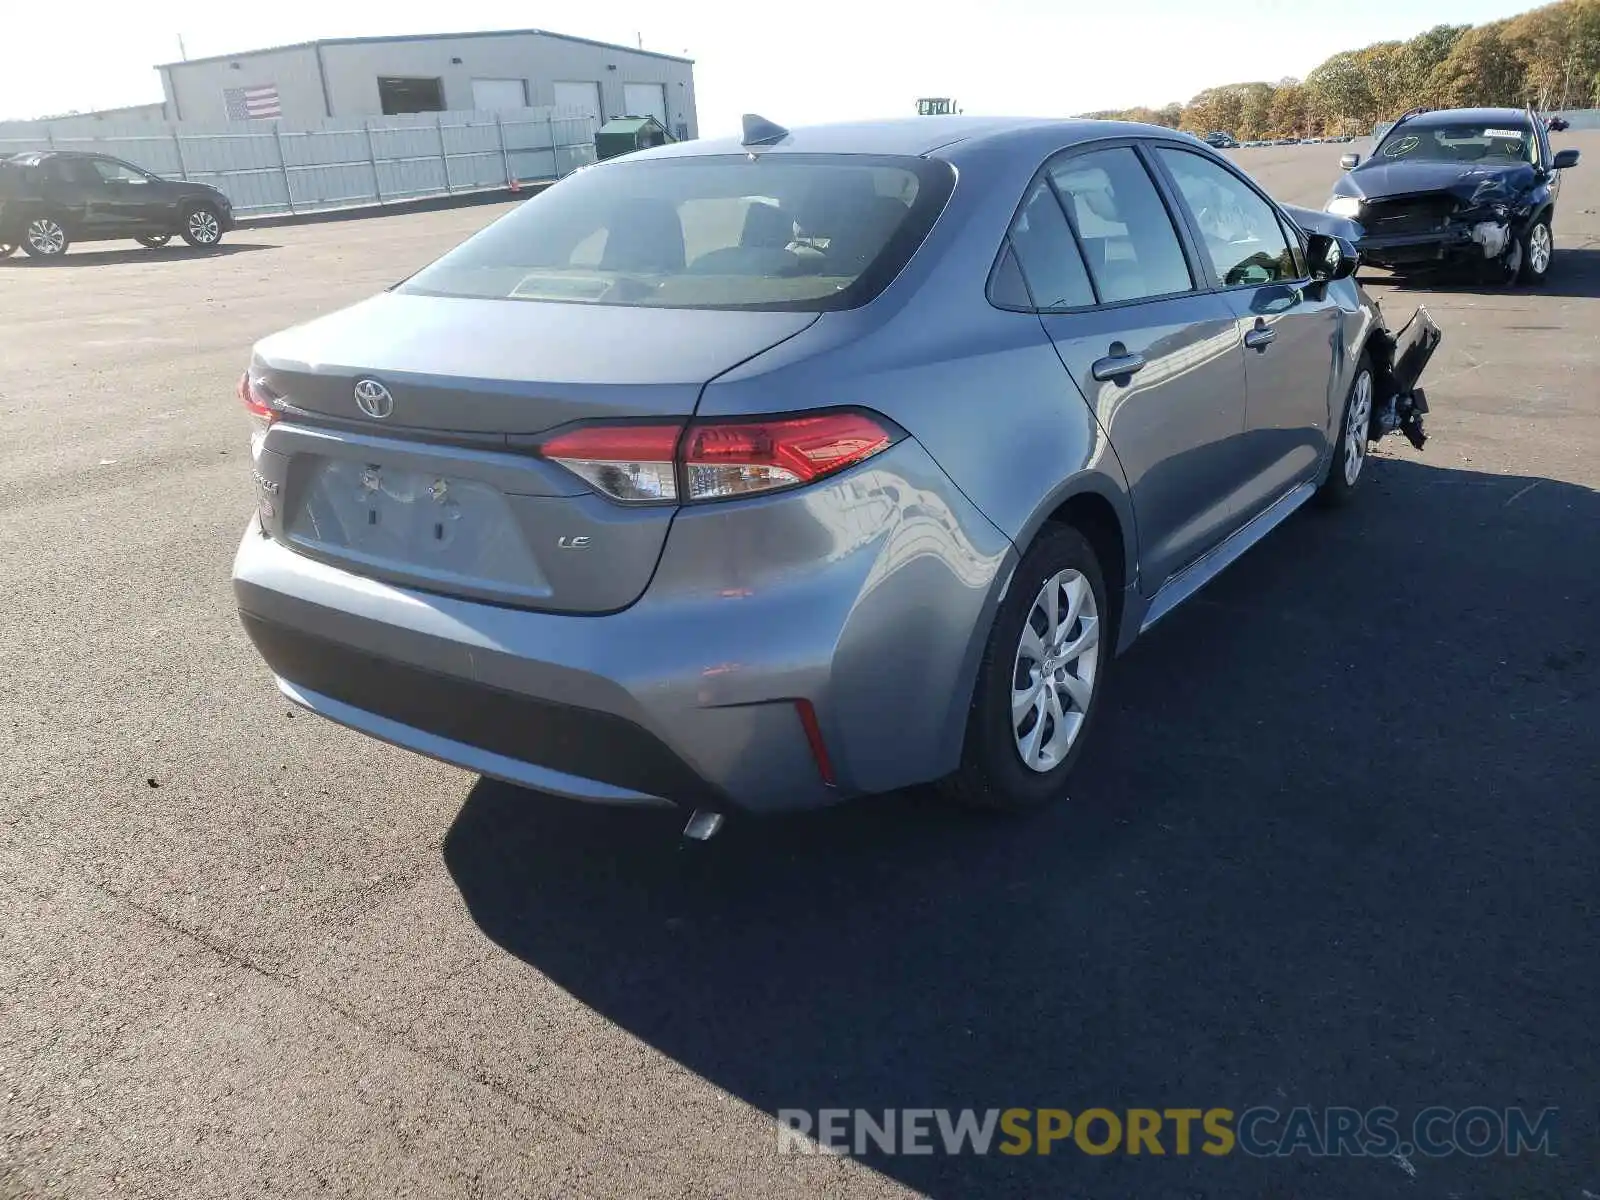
{"x": 410, "y": 95}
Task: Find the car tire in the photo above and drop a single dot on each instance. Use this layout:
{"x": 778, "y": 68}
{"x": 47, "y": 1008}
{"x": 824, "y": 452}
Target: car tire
{"x": 202, "y": 229}
{"x": 1351, "y": 450}
{"x": 46, "y": 237}
{"x": 153, "y": 241}
{"x": 1538, "y": 252}
{"x": 1022, "y": 741}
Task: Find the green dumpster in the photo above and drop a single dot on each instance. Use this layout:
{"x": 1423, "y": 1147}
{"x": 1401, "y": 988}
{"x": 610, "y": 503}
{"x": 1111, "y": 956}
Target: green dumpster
{"x": 623, "y": 135}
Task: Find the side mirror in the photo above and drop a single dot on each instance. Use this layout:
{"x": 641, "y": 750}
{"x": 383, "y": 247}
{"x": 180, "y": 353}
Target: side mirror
{"x": 1330, "y": 257}
{"x": 1564, "y": 159}
{"x": 1348, "y": 162}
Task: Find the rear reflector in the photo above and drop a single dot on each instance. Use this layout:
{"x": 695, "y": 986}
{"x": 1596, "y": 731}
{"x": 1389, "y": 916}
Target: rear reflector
{"x": 640, "y": 463}
{"x": 819, "y": 748}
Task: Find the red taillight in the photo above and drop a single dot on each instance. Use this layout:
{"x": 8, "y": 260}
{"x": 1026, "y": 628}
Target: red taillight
{"x": 626, "y": 462}
{"x": 719, "y": 459}
{"x": 739, "y": 457}
{"x": 257, "y": 400}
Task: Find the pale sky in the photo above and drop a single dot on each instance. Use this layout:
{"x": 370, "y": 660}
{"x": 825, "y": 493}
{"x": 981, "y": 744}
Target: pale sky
{"x": 796, "y": 63}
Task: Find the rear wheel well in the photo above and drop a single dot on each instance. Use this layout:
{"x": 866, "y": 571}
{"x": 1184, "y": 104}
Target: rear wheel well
{"x": 1093, "y": 516}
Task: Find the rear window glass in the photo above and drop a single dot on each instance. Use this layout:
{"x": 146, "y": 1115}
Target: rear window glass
{"x": 784, "y": 231}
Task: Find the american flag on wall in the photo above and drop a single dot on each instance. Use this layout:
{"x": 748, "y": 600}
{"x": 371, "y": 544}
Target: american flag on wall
{"x": 252, "y": 103}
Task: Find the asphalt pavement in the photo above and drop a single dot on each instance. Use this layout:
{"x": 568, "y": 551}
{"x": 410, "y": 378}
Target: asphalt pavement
{"x": 1334, "y": 843}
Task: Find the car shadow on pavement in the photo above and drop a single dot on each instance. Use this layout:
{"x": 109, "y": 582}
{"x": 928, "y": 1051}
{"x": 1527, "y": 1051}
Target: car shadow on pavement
{"x": 1573, "y": 273}
{"x": 104, "y": 258}
{"x": 1332, "y": 844}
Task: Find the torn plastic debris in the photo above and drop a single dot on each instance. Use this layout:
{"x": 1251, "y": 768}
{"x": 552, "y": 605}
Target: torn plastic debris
{"x": 1492, "y": 236}
{"x": 1400, "y": 359}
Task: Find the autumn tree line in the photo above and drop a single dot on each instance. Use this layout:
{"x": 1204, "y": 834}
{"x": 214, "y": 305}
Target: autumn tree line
{"x": 1548, "y": 58}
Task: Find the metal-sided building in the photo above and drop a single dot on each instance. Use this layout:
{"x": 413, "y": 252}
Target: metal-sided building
{"x": 489, "y": 72}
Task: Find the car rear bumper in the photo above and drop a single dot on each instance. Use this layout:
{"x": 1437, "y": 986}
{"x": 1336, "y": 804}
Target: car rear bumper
{"x": 868, "y": 598}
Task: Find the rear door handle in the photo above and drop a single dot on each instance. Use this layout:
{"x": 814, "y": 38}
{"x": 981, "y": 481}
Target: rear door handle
{"x": 1260, "y": 338}
{"x": 1117, "y": 365}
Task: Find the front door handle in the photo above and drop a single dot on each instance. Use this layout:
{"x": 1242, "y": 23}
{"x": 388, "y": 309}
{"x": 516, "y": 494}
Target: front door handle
{"x": 1118, "y": 365}
{"x": 1260, "y": 337}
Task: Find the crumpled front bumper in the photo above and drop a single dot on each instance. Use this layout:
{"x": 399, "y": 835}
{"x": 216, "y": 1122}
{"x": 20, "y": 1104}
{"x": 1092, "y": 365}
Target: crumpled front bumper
{"x": 1398, "y": 361}
{"x": 1461, "y": 238}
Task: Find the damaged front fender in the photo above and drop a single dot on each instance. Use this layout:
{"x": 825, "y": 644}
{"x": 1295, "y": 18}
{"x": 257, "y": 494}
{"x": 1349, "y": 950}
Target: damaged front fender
{"x": 1398, "y": 360}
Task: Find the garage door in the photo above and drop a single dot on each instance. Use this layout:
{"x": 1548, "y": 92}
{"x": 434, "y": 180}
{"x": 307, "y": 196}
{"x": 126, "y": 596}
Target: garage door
{"x": 645, "y": 100}
{"x": 584, "y": 96}
{"x": 498, "y": 95}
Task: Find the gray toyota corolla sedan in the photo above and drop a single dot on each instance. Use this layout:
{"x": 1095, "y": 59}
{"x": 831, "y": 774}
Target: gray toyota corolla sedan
{"x": 749, "y": 475}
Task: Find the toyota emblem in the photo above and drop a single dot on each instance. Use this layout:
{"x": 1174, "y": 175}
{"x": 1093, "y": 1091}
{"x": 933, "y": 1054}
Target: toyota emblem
{"x": 373, "y": 398}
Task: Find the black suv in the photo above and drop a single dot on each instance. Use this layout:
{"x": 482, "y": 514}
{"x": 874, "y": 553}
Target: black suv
{"x": 50, "y": 199}
{"x": 1472, "y": 185}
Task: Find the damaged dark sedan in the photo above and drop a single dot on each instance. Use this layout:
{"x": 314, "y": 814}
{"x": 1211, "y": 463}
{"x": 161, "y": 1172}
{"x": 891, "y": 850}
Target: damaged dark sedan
{"x": 1459, "y": 186}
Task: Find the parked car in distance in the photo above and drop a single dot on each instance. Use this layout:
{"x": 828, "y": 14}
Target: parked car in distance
{"x": 50, "y": 199}
{"x": 757, "y": 473}
{"x": 1458, "y": 185}
{"x": 1218, "y": 140}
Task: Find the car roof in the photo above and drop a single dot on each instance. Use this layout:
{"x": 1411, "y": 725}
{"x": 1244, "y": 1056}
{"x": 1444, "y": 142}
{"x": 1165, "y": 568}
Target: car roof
{"x": 1468, "y": 116}
{"x": 917, "y": 136}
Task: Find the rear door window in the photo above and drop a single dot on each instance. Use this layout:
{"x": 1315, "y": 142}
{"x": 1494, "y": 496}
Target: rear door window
{"x": 1047, "y": 253}
{"x": 786, "y": 231}
{"x": 77, "y": 171}
{"x": 1127, "y": 235}
{"x": 112, "y": 171}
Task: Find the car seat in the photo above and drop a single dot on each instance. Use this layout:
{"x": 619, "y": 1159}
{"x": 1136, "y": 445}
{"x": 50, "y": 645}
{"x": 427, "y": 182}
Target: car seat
{"x": 846, "y": 209}
{"x": 645, "y": 236}
{"x": 766, "y": 227}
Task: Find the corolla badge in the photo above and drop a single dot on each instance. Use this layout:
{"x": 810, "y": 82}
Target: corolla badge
{"x": 373, "y": 398}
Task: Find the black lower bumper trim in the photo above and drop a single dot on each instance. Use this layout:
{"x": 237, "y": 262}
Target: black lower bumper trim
{"x": 592, "y": 745}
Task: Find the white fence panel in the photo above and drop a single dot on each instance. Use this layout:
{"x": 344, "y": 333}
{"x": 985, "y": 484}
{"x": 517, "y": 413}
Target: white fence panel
{"x": 268, "y": 168}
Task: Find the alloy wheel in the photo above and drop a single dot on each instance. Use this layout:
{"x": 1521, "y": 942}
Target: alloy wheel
{"x": 46, "y": 237}
{"x": 1356, "y": 428}
{"x": 1053, "y": 676}
{"x": 203, "y": 227}
{"x": 1540, "y": 247}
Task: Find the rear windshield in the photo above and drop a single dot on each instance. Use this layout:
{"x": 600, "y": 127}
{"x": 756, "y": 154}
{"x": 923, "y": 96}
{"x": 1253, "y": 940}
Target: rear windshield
{"x": 780, "y": 232}
{"x": 1502, "y": 142}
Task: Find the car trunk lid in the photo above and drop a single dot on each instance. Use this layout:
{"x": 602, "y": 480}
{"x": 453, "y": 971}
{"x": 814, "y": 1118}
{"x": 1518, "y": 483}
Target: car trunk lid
{"x": 506, "y": 367}
{"x": 436, "y": 482}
